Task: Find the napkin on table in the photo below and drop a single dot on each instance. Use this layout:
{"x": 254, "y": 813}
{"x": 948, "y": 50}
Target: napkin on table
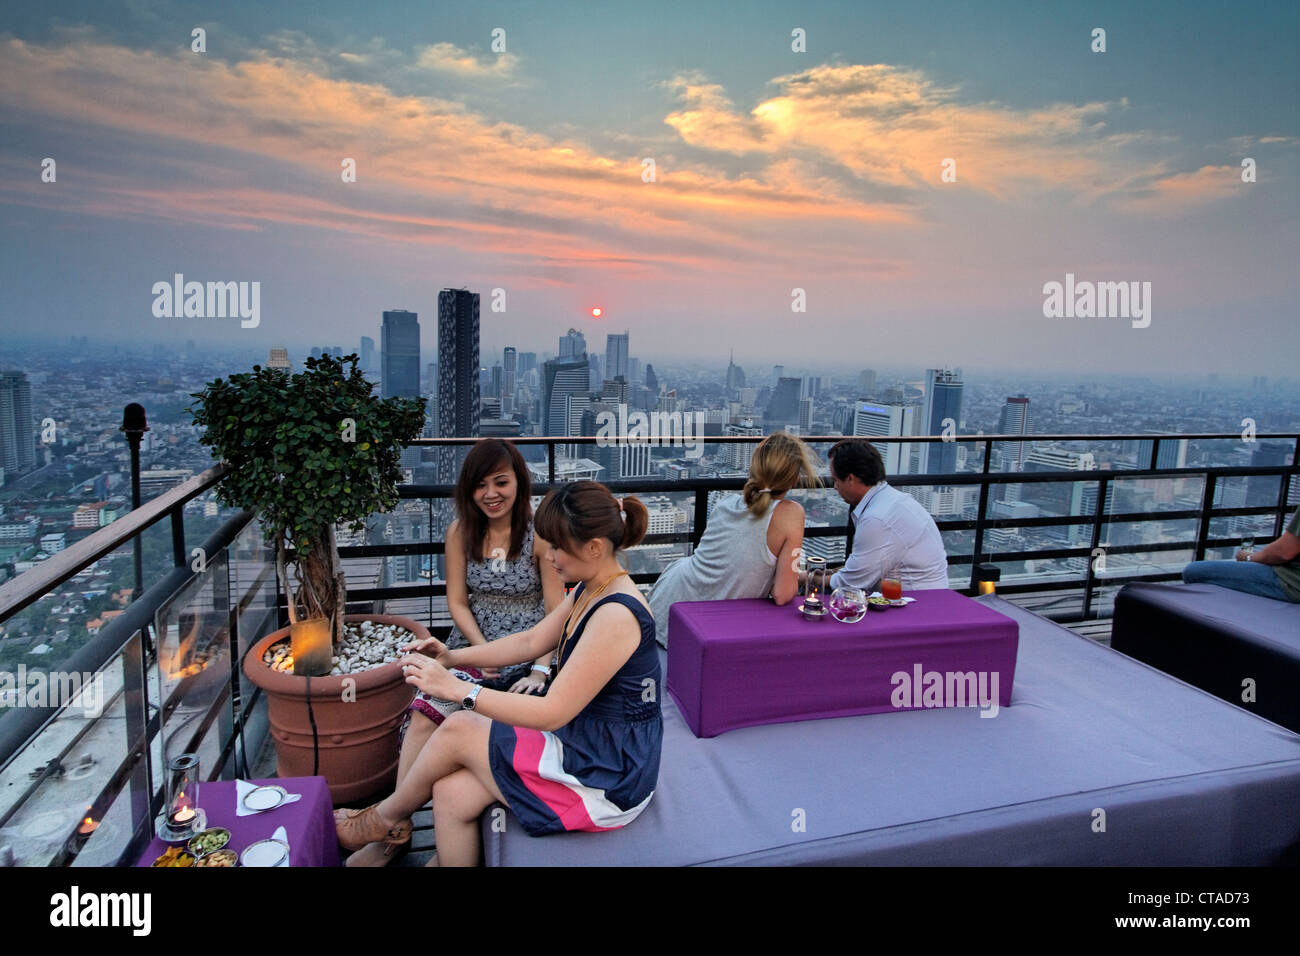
{"x": 243, "y": 788}
{"x": 282, "y": 835}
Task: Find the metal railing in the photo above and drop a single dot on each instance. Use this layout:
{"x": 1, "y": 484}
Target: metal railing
{"x": 132, "y": 640}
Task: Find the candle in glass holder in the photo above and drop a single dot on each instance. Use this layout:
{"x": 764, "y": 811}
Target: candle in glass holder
{"x": 88, "y": 826}
{"x": 182, "y": 789}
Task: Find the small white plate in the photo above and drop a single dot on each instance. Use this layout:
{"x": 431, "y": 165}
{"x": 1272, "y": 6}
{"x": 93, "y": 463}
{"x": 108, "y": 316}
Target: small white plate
{"x": 265, "y": 853}
{"x": 264, "y": 798}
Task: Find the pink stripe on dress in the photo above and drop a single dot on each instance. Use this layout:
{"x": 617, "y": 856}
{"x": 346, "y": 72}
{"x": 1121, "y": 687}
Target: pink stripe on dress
{"x": 563, "y": 801}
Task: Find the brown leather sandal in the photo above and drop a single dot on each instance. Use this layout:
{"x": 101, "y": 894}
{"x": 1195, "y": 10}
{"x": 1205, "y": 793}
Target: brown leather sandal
{"x": 356, "y": 828}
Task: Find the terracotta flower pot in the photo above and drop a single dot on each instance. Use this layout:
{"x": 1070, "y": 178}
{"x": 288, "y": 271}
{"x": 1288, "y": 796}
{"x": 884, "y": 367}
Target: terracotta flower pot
{"x": 356, "y": 724}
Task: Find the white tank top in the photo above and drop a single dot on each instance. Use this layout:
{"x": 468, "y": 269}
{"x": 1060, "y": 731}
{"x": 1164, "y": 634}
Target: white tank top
{"x": 732, "y": 561}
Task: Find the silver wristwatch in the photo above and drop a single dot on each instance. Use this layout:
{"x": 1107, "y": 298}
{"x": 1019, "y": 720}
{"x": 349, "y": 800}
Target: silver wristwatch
{"x": 468, "y": 700}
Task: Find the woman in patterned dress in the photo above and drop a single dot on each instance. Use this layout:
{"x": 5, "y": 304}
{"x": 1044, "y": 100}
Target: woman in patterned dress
{"x": 583, "y": 757}
{"x": 498, "y": 583}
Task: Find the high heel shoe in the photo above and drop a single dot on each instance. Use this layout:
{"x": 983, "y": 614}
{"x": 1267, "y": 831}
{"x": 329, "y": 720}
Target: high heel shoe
{"x": 356, "y": 828}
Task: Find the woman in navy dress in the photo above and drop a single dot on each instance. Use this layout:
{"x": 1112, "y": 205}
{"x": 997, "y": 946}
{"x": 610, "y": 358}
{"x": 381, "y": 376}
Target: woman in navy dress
{"x": 583, "y": 757}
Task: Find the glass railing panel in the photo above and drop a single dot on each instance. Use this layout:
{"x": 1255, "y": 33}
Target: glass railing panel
{"x": 1122, "y": 533}
{"x": 1134, "y": 495}
{"x": 194, "y": 666}
{"x": 51, "y": 819}
{"x": 1258, "y": 527}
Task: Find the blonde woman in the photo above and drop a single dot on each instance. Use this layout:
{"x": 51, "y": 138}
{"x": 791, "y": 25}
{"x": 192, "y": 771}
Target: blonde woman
{"x": 748, "y": 549}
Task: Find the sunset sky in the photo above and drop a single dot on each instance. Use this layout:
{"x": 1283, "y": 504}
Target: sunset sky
{"x": 774, "y": 170}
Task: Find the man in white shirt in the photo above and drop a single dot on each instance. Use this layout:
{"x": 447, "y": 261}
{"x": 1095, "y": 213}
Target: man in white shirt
{"x": 890, "y": 527}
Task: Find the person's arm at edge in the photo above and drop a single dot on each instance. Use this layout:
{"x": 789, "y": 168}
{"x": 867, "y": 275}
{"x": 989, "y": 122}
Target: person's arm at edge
{"x": 1281, "y": 551}
{"x": 458, "y": 588}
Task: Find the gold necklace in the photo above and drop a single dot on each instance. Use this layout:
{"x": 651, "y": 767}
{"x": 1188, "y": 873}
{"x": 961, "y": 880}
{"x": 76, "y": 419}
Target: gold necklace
{"x": 577, "y": 612}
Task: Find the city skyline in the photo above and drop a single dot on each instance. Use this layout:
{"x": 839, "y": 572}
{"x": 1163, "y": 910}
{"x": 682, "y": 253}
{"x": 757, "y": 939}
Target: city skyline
{"x": 779, "y": 176}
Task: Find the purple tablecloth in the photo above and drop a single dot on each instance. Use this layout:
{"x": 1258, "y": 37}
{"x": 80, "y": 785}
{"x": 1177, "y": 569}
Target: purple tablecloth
{"x": 309, "y": 822}
{"x": 739, "y": 663}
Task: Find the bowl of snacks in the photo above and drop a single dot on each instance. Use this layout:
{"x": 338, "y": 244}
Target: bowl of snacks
{"x": 176, "y": 856}
{"x": 218, "y": 858}
{"x": 209, "y": 841}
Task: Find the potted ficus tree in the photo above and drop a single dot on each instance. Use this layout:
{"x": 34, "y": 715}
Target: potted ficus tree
{"x": 310, "y": 451}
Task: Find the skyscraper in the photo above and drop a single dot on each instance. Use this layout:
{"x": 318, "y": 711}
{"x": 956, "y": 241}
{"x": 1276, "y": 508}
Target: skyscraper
{"x": 17, "y": 432}
{"x": 866, "y": 383}
{"x": 783, "y": 406}
{"x": 875, "y": 418}
{"x": 367, "y": 354}
{"x": 511, "y": 366}
{"x": 651, "y": 379}
{"x": 941, "y": 413}
{"x": 562, "y": 378}
{"x": 735, "y": 375}
{"x": 400, "y": 354}
{"x": 572, "y": 344}
{"x": 279, "y": 358}
{"x": 616, "y": 356}
{"x": 458, "y": 368}
{"x": 1014, "y": 420}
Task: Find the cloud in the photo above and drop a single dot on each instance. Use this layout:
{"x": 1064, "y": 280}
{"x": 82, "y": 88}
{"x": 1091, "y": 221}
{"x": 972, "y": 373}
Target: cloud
{"x": 891, "y": 127}
{"x": 1179, "y": 192}
{"x": 451, "y": 59}
{"x": 430, "y": 170}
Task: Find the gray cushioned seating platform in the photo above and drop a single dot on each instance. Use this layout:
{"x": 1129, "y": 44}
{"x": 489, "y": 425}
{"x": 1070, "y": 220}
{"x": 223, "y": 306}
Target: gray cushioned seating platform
{"x": 1181, "y": 777}
{"x": 1216, "y": 639}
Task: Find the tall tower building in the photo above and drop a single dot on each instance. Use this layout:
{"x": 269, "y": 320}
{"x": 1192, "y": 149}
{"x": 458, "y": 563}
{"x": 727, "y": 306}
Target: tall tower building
{"x": 616, "y": 356}
{"x": 878, "y": 419}
{"x": 1014, "y": 420}
{"x": 279, "y": 358}
{"x": 17, "y": 432}
{"x": 866, "y": 383}
{"x": 572, "y": 344}
{"x": 458, "y": 368}
{"x": 367, "y": 354}
{"x": 805, "y": 416}
{"x": 511, "y": 366}
{"x": 561, "y": 379}
{"x": 400, "y": 354}
{"x": 942, "y": 410}
{"x": 783, "y": 406}
{"x": 735, "y": 374}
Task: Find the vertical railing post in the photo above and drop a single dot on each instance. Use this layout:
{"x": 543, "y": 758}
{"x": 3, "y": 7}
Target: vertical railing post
{"x": 1207, "y": 509}
{"x": 179, "y": 556}
{"x": 980, "y": 515}
{"x": 550, "y": 462}
{"x": 701, "y": 517}
{"x": 1155, "y": 453}
{"x": 1103, "y": 488}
